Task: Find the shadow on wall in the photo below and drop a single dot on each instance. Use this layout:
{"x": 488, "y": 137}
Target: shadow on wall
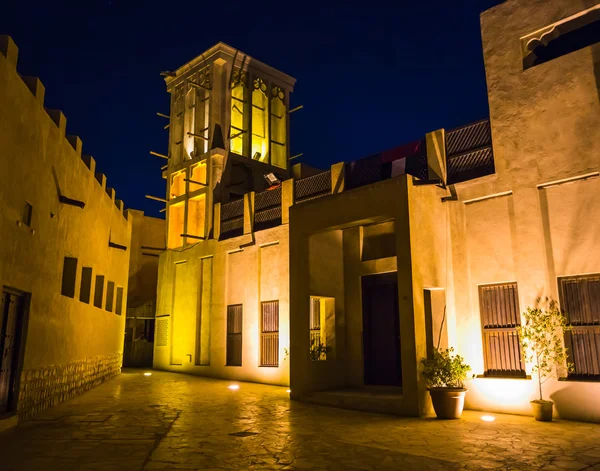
{"x": 577, "y": 401}
{"x": 596, "y": 60}
{"x": 146, "y": 280}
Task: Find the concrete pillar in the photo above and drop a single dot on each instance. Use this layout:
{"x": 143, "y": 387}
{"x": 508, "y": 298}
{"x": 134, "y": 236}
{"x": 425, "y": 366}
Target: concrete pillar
{"x": 249, "y": 212}
{"x": 217, "y": 221}
{"x": 287, "y": 200}
{"x": 436, "y": 155}
{"x": 338, "y": 177}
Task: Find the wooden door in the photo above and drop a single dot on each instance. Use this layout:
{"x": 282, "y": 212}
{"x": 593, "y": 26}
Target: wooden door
{"x": 11, "y": 314}
{"x": 381, "y": 330}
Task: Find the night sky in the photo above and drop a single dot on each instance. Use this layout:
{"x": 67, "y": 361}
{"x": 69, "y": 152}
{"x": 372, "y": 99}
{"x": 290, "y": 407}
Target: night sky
{"x": 370, "y": 77}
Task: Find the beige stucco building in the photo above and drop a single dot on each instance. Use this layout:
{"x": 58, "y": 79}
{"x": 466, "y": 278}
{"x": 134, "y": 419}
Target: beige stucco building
{"x": 350, "y": 275}
{"x": 223, "y": 287}
{"x": 148, "y": 236}
{"x": 63, "y": 255}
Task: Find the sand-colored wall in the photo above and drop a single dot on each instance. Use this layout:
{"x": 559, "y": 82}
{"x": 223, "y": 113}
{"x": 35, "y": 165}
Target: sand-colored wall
{"x": 197, "y": 283}
{"x": 339, "y": 217}
{"x": 37, "y": 163}
{"x": 536, "y": 219}
{"x": 148, "y": 236}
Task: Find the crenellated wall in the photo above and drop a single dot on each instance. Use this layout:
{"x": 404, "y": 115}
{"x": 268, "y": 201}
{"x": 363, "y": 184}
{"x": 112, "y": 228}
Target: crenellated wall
{"x": 55, "y": 204}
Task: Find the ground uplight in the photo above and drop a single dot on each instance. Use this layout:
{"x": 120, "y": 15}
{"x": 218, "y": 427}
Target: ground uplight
{"x": 288, "y": 390}
{"x": 488, "y": 418}
{"x": 233, "y": 387}
{"x": 147, "y": 373}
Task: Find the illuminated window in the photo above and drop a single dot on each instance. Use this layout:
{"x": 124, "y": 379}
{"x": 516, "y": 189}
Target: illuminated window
{"x": 238, "y": 132}
{"x": 68, "y": 277}
{"x": 99, "y": 291}
{"x": 260, "y": 121}
{"x": 234, "y": 335}
{"x": 178, "y": 184}
{"x": 580, "y": 301}
{"x": 197, "y": 113}
{"x": 278, "y": 128}
{"x": 269, "y": 336}
{"x": 500, "y": 318}
{"x": 176, "y": 128}
{"x": 562, "y": 38}
{"x": 176, "y": 220}
{"x": 27, "y": 211}
{"x": 119, "y": 302}
{"x": 322, "y": 325}
{"x": 197, "y": 176}
{"x": 189, "y": 121}
{"x": 197, "y": 217}
{"x": 85, "y": 290}
{"x": 110, "y": 295}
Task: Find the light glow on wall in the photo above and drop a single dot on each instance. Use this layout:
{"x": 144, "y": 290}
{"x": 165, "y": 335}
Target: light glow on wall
{"x": 501, "y": 393}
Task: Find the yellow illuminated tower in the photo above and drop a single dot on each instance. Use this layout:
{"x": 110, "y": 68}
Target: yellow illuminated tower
{"x": 229, "y": 128}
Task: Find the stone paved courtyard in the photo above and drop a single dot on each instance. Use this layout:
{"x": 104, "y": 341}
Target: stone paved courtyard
{"x": 170, "y": 421}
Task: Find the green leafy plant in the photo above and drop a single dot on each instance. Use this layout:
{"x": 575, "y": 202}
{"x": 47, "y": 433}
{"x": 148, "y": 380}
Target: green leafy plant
{"x": 318, "y": 351}
{"x": 541, "y": 338}
{"x": 444, "y": 369}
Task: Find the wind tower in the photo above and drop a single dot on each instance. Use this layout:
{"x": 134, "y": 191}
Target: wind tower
{"x": 229, "y": 128}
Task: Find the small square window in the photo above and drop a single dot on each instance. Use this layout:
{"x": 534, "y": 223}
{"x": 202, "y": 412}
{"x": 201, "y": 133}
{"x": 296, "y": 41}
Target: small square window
{"x": 27, "y": 212}
{"x": 110, "y": 293}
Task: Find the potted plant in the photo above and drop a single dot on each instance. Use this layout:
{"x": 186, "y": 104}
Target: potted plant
{"x": 318, "y": 351}
{"x": 445, "y": 374}
{"x": 541, "y": 338}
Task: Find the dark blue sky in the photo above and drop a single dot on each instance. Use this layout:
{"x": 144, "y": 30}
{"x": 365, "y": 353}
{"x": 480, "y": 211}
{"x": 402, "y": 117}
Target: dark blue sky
{"x": 370, "y": 77}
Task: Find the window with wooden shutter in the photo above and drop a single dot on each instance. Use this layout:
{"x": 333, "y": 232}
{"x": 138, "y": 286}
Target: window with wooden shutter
{"x": 500, "y": 318}
{"x": 269, "y": 336}
{"x": 580, "y": 302}
{"x": 234, "y": 335}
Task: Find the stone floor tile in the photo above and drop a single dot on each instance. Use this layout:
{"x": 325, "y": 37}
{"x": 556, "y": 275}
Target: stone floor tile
{"x": 178, "y": 422}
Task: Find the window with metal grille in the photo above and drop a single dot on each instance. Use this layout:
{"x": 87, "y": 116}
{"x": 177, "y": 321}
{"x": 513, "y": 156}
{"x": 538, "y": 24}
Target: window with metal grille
{"x": 318, "y": 341}
{"x": 500, "y": 318}
{"x": 580, "y": 301}
{"x": 110, "y": 295}
{"x": 315, "y": 320}
{"x": 27, "y": 212}
{"x": 269, "y": 336}
{"x": 234, "y": 335}
{"x": 68, "y": 277}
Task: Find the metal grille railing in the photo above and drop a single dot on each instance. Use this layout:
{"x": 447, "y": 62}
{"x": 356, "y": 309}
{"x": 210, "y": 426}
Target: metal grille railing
{"x": 469, "y": 152}
{"x": 269, "y": 337}
{"x": 267, "y": 206}
{"x": 232, "y": 219}
{"x": 267, "y": 199}
{"x": 232, "y": 210}
{"x": 468, "y": 137}
{"x": 417, "y": 166}
{"x": 500, "y": 317}
{"x": 310, "y": 187}
{"x": 470, "y": 165}
{"x": 234, "y": 335}
{"x": 267, "y": 218}
{"x": 366, "y": 171}
{"x": 580, "y": 299}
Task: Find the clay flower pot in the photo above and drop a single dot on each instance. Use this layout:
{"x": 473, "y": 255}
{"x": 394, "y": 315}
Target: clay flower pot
{"x": 448, "y": 403}
{"x": 542, "y": 410}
